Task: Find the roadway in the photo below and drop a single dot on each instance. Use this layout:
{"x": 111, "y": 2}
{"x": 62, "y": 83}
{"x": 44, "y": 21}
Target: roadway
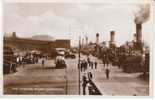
{"x": 36, "y": 79}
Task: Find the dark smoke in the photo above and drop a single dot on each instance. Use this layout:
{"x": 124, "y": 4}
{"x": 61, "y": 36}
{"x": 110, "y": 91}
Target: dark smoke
{"x": 142, "y": 15}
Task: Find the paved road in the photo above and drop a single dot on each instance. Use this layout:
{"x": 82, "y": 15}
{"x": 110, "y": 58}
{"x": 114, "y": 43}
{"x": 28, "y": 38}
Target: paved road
{"x": 72, "y": 77}
{"x": 34, "y": 79}
{"x": 120, "y": 83}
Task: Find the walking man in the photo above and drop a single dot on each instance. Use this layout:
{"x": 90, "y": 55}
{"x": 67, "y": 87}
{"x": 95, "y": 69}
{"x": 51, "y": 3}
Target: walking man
{"x": 20, "y": 60}
{"x": 84, "y": 80}
{"x": 43, "y": 62}
{"x": 85, "y": 65}
{"x": 90, "y": 76}
{"x": 104, "y": 60}
{"x": 107, "y": 71}
{"x": 17, "y": 60}
{"x": 88, "y": 60}
{"x": 95, "y": 64}
{"x": 107, "y": 61}
{"x": 82, "y": 66}
{"x": 13, "y": 68}
{"x": 91, "y": 64}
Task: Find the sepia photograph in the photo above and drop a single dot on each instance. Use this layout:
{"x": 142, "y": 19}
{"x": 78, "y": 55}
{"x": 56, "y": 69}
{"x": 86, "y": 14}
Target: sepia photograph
{"x": 83, "y": 48}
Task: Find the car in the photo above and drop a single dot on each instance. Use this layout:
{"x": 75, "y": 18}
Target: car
{"x": 9, "y": 60}
{"x": 9, "y": 67}
{"x": 70, "y": 55}
{"x": 60, "y": 62}
{"x": 28, "y": 60}
{"x": 6, "y": 67}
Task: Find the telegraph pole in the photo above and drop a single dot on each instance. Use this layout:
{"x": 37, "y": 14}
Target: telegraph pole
{"x": 79, "y": 66}
{"x": 66, "y": 81}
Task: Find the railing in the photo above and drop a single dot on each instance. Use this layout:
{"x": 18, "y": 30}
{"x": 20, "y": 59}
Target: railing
{"x": 93, "y": 90}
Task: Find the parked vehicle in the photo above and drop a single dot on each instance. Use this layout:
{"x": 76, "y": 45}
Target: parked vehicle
{"x": 9, "y": 60}
{"x": 6, "y": 67}
{"x": 60, "y": 62}
{"x": 70, "y": 55}
{"x": 28, "y": 61}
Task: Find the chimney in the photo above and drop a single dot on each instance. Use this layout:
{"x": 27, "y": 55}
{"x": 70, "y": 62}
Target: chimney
{"x": 14, "y": 34}
{"x": 97, "y": 38}
{"x": 86, "y": 40}
{"x": 135, "y": 37}
{"x": 112, "y": 36}
{"x": 139, "y": 33}
{"x": 82, "y": 42}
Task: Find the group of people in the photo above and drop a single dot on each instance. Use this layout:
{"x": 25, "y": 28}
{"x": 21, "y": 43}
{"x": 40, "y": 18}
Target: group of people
{"x": 85, "y": 64}
{"x": 105, "y": 59}
{"x": 86, "y": 80}
{"x": 20, "y": 60}
{"x": 88, "y": 76}
{"x": 91, "y": 63}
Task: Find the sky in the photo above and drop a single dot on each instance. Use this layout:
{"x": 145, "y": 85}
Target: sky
{"x": 71, "y": 20}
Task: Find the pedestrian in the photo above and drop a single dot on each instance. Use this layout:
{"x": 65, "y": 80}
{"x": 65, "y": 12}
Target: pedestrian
{"x": 107, "y": 71}
{"x": 95, "y": 63}
{"x": 82, "y": 66}
{"x": 13, "y": 68}
{"x": 107, "y": 61}
{"x": 90, "y": 89}
{"x": 90, "y": 76}
{"x": 88, "y": 60}
{"x": 23, "y": 64}
{"x": 17, "y": 59}
{"x": 85, "y": 65}
{"x": 21, "y": 60}
{"x": 104, "y": 60}
{"x": 91, "y": 65}
{"x": 36, "y": 59}
{"x": 84, "y": 84}
{"x": 119, "y": 62}
{"x": 43, "y": 62}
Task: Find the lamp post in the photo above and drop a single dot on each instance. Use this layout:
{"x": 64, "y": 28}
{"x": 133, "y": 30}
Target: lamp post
{"x": 66, "y": 81}
{"x": 79, "y": 63}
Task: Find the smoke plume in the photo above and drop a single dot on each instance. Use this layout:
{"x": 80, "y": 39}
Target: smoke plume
{"x": 143, "y": 14}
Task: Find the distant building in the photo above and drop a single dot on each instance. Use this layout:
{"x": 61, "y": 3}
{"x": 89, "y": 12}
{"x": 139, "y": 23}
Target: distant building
{"x": 25, "y": 44}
